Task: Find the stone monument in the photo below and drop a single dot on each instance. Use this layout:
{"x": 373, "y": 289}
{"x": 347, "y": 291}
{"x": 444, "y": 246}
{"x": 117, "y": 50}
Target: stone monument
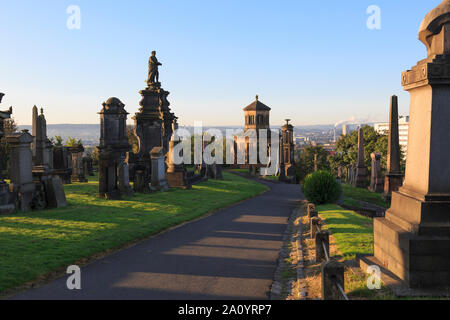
{"x": 21, "y": 169}
{"x": 77, "y": 163}
{"x": 394, "y": 177}
{"x": 62, "y": 161}
{"x": 112, "y": 149}
{"x": 6, "y": 205}
{"x": 287, "y": 152}
{"x": 413, "y": 241}
{"x": 153, "y": 122}
{"x": 360, "y": 178}
{"x": 176, "y": 173}
{"x": 159, "y": 181}
{"x": 376, "y": 181}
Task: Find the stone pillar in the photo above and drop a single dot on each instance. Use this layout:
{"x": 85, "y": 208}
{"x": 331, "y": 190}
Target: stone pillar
{"x": 159, "y": 182}
{"x": 376, "y": 182}
{"x": 413, "y": 241}
{"x": 124, "y": 176}
{"x": 394, "y": 177}
{"x": 360, "y": 179}
{"x": 77, "y": 163}
{"x": 6, "y": 198}
{"x": 21, "y": 168}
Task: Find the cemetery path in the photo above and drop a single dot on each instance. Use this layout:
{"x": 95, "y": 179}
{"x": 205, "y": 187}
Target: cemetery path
{"x": 231, "y": 254}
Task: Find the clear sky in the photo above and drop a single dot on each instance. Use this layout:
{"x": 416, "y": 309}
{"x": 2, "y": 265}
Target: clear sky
{"x": 315, "y": 62}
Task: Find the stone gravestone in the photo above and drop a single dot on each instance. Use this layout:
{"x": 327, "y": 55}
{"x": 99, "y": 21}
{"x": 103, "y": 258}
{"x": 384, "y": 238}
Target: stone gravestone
{"x": 112, "y": 149}
{"x": 21, "y": 168}
{"x": 360, "y": 179}
{"x": 394, "y": 176}
{"x": 51, "y": 191}
{"x": 77, "y": 164}
{"x": 376, "y": 181}
{"x": 176, "y": 173}
{"x": 124, "y": 176}
{"x": 413, "y": 240}
{"x": 62, "y": 164}
{"x": 159, "y": 182}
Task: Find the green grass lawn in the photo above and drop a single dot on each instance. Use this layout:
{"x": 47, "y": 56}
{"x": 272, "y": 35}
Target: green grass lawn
{"x": 353, "y": 233}
{"x": 33, "y": 244}
{"x": 363, "y": 195}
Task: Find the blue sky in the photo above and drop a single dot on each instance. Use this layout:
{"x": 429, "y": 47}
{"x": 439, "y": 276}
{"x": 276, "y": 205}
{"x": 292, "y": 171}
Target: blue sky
{"x": 315, "y": 62}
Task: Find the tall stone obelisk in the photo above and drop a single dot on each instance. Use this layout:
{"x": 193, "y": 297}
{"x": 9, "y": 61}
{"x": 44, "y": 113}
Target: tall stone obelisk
{"x": 413, "y": 241}
{"x": 361, "y": 169}
{"x": 394, "y": 176}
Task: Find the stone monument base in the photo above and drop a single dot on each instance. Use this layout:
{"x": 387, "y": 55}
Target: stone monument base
{"x": 361, "y": 177}
{"x": 395, "y": 284}
{"x": 392, "y": 183}
{"x": 178, "y": 179}
{"x": 413, "y": 241}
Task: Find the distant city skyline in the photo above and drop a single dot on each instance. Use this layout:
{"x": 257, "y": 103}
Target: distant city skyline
{"x": 315, "y": 63}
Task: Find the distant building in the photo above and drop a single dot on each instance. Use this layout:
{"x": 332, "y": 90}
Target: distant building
{"x": 403, "y": 127}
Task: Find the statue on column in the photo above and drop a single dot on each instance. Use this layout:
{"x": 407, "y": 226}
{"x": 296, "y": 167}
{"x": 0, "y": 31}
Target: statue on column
{"x": 153, "y": 73}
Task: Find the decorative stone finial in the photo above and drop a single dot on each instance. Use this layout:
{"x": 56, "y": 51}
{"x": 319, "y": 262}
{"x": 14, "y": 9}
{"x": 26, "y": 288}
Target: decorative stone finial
{"x": 1, "y": 96}
{"x": 287, "y": 121}
{"x": 257, "y": 98}
{"x": 435, "y": 28}
{"x": 42, "y": 111}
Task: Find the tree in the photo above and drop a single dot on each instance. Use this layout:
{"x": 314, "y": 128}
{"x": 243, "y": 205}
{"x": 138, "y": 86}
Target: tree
{"x": 305, "y": 165}
{"x": 132, "y": 139}
{"x": 72, "y": 142}
{"x": 10, "y": 126}
{"x": 347, "y": 149}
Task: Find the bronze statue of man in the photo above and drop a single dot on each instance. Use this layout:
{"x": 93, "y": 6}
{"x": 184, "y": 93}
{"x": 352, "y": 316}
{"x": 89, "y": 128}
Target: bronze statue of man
{"x": 153, "y": 73}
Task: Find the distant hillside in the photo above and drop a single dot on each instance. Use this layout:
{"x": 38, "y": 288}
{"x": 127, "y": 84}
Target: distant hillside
{"x": 90, "y": 133}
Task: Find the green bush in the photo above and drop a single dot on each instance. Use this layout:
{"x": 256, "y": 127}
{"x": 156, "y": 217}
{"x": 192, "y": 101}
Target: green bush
{"x": 321, "y": 187}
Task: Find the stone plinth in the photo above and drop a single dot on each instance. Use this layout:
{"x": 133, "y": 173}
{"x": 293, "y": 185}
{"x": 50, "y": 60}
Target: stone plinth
{"x": 413, "y": 241}
{"x": 153, "y": 126}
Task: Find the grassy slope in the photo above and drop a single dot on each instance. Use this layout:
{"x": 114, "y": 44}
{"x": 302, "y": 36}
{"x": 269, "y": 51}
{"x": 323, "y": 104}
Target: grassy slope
{"x": 353, "y": 232}
{"x": 363, "y": 195}
{"x": 36, "y": 243}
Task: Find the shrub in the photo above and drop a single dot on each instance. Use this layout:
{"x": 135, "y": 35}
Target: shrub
{"x": 321, "y": 187}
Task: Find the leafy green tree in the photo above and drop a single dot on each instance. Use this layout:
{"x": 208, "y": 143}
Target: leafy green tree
{"x": 132, "y": 139}
{"x": 305, "y": 165}
{"x": 347, "y": 149}
{"x": 73, "y": 142}
{"x": 10, "y": 126}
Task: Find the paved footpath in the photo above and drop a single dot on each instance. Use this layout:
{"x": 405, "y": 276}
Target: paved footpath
{"x": 229, "y": 255}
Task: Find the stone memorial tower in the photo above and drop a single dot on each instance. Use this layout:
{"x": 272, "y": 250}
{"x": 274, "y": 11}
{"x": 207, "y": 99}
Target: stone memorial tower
{"x": 287, "y": 153}
{"x": 413, "y": 241}
{"x": 153, "y": 122}
{"x": 113, "y": 147}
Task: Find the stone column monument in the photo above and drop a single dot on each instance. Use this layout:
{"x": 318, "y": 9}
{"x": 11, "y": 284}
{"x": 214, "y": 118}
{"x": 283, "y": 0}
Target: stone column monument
{"x": 394, "y": 176}
{"x": 413, "y": 241}
{"x": 5, "y": 197}
{"x": 77, "y": 163}
{"x": 360, "y": 179}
